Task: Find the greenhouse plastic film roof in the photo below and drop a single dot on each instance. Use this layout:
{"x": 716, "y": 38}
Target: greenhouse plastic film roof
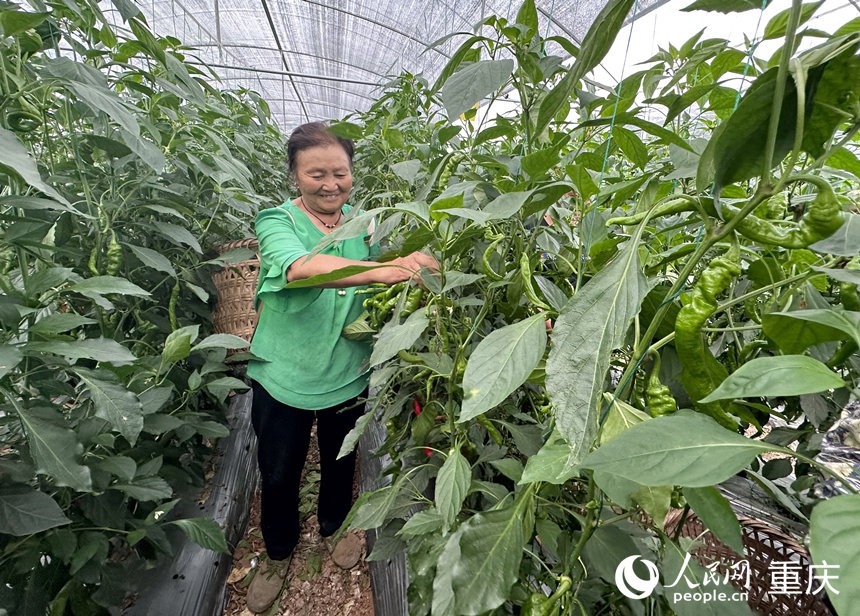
{"x": 316, "y": 60}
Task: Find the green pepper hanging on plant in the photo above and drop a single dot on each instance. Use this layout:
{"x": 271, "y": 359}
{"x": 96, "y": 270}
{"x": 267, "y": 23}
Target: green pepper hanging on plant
{"x": 701, "y": 373}
{"x": 538, "y": 604}
{"x": 658, "y": 396}
{"x": 822, "y": 218}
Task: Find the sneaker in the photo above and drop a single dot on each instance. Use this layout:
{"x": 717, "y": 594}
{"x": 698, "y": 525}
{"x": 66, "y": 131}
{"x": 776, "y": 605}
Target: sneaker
{"x": 344, "y": 553}
{"x": 267, "y": 584}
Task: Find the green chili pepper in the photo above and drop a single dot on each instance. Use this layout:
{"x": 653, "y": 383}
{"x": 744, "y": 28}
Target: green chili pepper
{"x": 639, "y": 385}
{"x": 410, "y": 358}
{"x": 675, "y": 206}
{"x": 701, "y": 373}
{"x": 114, "y": 256}
{"x": 449, "y": 166}
{"x": 848, "y": 296}
{"x": 538, "y": 604}
{"x": 171, "y": 306}
{"x": 492, "y": 431}
{"x": 413, "y": 301}
{"x": 528, "y": 289}
{"x": 822, "y": 218}
{"x": 92, "y": 263}
{"x": 489, "y": 272}
{"x": 658, "y": 396}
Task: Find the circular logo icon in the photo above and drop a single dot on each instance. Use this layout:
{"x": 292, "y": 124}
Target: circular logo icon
{"x": 630, "y": 584}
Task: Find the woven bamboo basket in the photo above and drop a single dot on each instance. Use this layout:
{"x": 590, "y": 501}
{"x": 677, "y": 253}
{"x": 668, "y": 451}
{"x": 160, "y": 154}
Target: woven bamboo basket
{"x": 234, "y": 310}
{"x": 765, "y": 544}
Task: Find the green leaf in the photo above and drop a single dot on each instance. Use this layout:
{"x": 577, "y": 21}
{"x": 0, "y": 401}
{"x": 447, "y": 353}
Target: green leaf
{"x": 655, "y": 501}
{"x": 736, "y": 149}
{"x": 49, "y": 278}
{"x": 491, "y": 549}
{"x": 221, "y": 341}
{"x": 14, "y": 22}
{"x": 463, "y": 52}
{"x": 108, "y": 284}
{"x": 422, "y": 523}
{"x": 506, "y": 205}
{"x": 177, "y": 346}
{"x": 205, "y": 532}
{"x": 395, "y": 337}
{"x": 347, "y": 130}
{"x": 549, "y": 464}
{"x": 501, "y": 363}
{"x": 620, "y": 417}
{"x": 796, "y": 331}
{"x": 58, "y": 323}
{"x": 146, "y": 489}
{"x": 471, "y": 84}
{"x": 153, "y": 259}
{"x": 717, "y": 515}
{"x": 726, "y": 6}
{"x": 444, "y": 599}
{"x": 17, "y": 159}
{"x": 10, "y": 357}
{"x": 842, "y": 275}
{"x": 781, "y": 375}
{"x": 845, "y": 159}
{"x": 607, "y": 547}
{"x": 527, "y": 16}
{"x": 152, "y": 400}
{"x": 844, "y": 242}
{"x": 178, "y": 235}
{"x": 315, "y": 281}
{"x": 595, "y": 45}
{"x": 354, "y": 435}
{"x": 632, "y": 146}
{"x": 592, "y": 325}
{"x": 126, "y": 8}
{"x": 25, "y": 511}
{"x": 56, "y": 451}
{"x": 452, "y": 485}
{"x": 834, "y": 538}
{"x": 122, "y": 466}
{"x": 778, "y": 26}
{"x": 494, "y": 132}
{"x": 221, "y": 388}
{"x": 836, "y": 91}
{"x": 372, "y": 508}
{"x": 159, "y": 423}
{"x": 97, "y": 349}
{"x": 538, "y": 163}
{"x": 115, "y": 404}
{"x": 687, "y": 449}
{"x": 407, "y": 169}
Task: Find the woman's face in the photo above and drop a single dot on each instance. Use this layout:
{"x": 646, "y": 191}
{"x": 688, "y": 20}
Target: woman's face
{"x": 323, "y": 177}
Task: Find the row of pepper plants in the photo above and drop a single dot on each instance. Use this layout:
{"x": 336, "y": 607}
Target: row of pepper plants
{"x": 691, "y": 235}
{"x": 121, "y": 169}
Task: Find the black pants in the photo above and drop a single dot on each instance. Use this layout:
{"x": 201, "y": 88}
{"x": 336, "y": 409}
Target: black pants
{"x": 283, "y": 436}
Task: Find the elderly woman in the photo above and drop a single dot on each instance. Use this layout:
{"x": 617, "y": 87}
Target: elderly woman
{"x": 307, "y": 370}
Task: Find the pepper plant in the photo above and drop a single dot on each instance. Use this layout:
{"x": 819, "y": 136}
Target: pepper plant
{"x": 625, "y": 306}
{"x": 120, "y": 171}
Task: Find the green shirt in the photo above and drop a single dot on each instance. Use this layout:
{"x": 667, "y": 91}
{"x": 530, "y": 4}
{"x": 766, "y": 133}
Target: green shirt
{"x": 304, "y": 360}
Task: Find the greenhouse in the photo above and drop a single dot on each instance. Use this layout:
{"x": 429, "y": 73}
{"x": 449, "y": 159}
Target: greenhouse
{"x": 537, "y": 307}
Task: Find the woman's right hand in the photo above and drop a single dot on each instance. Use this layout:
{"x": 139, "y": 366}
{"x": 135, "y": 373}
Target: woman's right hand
{"x": 408, "y": 267}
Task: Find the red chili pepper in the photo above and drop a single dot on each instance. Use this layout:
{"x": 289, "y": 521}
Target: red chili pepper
{"x": 428, "y": 452}
{"x": 416, "y": 406}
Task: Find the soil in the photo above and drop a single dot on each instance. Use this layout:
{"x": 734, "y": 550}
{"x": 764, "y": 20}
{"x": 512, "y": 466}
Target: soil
{"x": 315, "y": 586}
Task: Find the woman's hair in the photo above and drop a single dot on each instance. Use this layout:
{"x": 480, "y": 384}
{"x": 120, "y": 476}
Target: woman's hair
{"x": 313, "y": 135}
